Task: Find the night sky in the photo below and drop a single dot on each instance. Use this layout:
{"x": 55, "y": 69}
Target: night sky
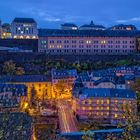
{"x": 51, "y": 13}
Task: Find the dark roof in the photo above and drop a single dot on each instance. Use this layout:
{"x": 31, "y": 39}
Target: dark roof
{"x": 92, "y": 25}
{"x": 64, "y": 73}
{"x": 104, "y": 79}
{"x": 68, "y": 25}
{"x": 24, "y": 20}
{"x": 124, "y": 26}
{"x": 86, "y": 33}
{"x": 24, "y": 78}
{"x": 107, "y": 93}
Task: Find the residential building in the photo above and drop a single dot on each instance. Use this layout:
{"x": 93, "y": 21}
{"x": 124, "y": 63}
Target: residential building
{"x": 24, "y": 28}
{"x": 123, "y": 27}
{"x": 69, "y": 26}
{"x": 6, "y": 31}
{"x": 92, "y": 26}
{"x": 15, "y": 126}
{"x": 12, "y": 96}
{"x": 68, "y": 76}
{"x": 39, "y": 83}
{"x": 84, "y": 42}
{"x": 108, "y": 106}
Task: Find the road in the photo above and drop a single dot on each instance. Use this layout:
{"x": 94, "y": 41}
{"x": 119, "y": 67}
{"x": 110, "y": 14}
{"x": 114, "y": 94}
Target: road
{"x": 66, "y": 118}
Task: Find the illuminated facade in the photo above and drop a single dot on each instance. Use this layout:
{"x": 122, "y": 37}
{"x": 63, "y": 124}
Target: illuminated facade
{"x": 40, "y": 83}
{"x": 86, "y": 42}
{"x": 24, "y": 28}
{"x": 66, "y": 77}
{"x": 105, "y": 105}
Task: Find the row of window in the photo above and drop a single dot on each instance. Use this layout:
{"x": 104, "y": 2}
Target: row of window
{"x": 90, "y": 41}
{"x": 89, "y": 46}
{"x": 89, "y": 51}
{"x": 24, "y": 30}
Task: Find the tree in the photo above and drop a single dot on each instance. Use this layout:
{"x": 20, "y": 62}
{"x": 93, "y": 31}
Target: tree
{"x": 62, "y": 89}
{"x": 131, "y": 123}
{"x": 9, "y": 68}
{"x": 136, "y": 88}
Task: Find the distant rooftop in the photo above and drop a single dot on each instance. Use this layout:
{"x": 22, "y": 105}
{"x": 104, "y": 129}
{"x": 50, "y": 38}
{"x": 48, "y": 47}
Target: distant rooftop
{"x": 68, "y": 25}
{"x": 92, "y": 25}
{"x": 24, "y": 20}
{"x": 24, "y": 78}
{"x": 86, "y": 33}
{"x": 123, "y": 27}
{"x": 107, "y": 93}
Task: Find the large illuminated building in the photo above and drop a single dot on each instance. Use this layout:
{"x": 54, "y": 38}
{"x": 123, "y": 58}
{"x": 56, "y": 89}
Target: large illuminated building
{"x": 40, "y": 83}
{"x": 24, "y": 28}
{"x": 108, "y": 106}
{"x": 55, "y": 41}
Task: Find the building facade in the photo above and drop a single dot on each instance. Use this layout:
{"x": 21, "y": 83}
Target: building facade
{"x": 6, "y": 31}
{"x": 40, "y": 83}
{"x": 24, "y": 28}
{"x": 86, "y": 42}
{"x": 105, "y": 105}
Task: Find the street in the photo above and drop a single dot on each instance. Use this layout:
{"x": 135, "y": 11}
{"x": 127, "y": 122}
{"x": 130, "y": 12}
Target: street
{"x": 66, "y": 118}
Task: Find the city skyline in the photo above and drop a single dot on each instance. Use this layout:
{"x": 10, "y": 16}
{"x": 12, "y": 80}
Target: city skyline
{"x": 51, "y": 13}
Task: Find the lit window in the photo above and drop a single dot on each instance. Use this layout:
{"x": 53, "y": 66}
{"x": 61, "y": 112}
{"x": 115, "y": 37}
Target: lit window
{"x": 97, "y": 113}
{"x": 88, "y": 41}
{"x": 103, "y": 42}
{"x": 90, "y": 101}
{"x": 102, "y": 108}
{"x": 21, "y": 37}
{"x": 102, "y": 113}
{"x": 97, "y": 108}
{"x": 102, "y": 101}
{"x": 107, "y": 113}
{"x": 116, "y": 115}
{"x": 15, "y": 36}
{"x": 90, "y": 108}
{"x": 108, "y": 108}
{"x": 84, "y": 108}
{"x": 18, "y": 28}
{"x": 97, "y": 101}
{"x": 108, "y": 101}
{"x": 83, "y": 102}
{"x": 116, "y": 101}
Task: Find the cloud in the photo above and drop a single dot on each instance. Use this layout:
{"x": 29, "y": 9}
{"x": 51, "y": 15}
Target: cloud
{"x": 129, "y": 20}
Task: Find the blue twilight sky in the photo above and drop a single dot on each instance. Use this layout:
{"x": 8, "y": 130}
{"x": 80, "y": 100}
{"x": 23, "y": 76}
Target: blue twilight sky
{"x": 51, "y": 13}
